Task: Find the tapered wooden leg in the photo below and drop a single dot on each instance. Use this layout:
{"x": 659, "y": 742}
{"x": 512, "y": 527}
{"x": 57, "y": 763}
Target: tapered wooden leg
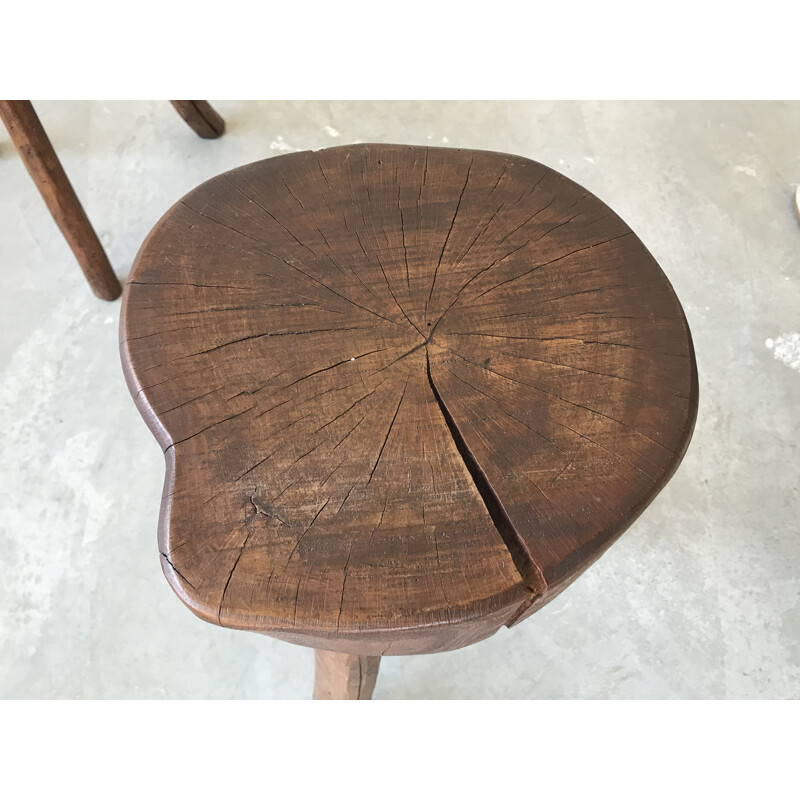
{"x": 339, "y": 676}
{"x": 42, "y": 163}
{"x": 200, "y": 117}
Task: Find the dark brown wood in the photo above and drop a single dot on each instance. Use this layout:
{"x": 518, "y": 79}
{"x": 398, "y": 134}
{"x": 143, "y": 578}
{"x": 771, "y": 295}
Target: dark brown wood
{"x": 42, "y": 163}
{"x": 340, "y": 676}
{"x": 200, "y": 117}
{"x": 406, "y": 395}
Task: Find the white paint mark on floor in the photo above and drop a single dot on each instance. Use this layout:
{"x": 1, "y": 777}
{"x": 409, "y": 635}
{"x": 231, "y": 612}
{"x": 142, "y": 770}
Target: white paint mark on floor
{"x": 331, "y": 131}
{"x": 445, "y": 140}
{"x": 589, "y": 159}
{"x": 280, "y": 145}
{"x": 747, "y": 171}
{"x": 786, "y": 348}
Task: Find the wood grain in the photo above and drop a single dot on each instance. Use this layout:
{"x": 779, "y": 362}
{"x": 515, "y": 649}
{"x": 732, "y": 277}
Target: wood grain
{"x": 42, "y": 163}
{"x": 200, "y": 117}
{"x": 406, "y": 395}
{"x": 340, "y": 676}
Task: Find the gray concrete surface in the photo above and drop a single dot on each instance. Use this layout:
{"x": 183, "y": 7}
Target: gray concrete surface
{"x": 698, "y": 600}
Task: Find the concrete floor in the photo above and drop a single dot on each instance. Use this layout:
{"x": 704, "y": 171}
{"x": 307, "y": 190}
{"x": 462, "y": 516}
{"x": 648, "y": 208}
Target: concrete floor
{"x": 698, "y": 600}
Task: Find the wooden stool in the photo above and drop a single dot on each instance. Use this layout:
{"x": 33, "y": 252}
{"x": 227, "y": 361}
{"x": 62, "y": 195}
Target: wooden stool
{"x": 406, "y": 395}
{"x": 41, "y": 161}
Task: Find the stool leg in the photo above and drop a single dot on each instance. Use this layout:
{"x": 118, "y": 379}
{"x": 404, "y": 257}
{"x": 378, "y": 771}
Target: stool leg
{"x": 200, "y": 117}
{"x": 340, "y": 676}
{"x": 42, "y": 163}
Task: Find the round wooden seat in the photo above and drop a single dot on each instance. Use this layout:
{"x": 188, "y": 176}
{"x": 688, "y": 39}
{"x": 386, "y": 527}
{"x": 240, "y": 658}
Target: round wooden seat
{"x": 406, "y": 394}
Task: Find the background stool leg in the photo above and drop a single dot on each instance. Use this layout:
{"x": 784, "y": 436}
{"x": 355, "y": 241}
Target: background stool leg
{"x": 200, "y": 117}
{"x": 42, "y": 163}
{"x": 340, "y": 676}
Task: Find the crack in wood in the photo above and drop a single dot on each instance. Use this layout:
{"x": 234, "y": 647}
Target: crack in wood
{"x": 290, "y": 265}
{"x": 177, "y": 571}
{"x": 520, "y": 555}
{"x": 577, "y": 405}
{"x": 447, "y": 238}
